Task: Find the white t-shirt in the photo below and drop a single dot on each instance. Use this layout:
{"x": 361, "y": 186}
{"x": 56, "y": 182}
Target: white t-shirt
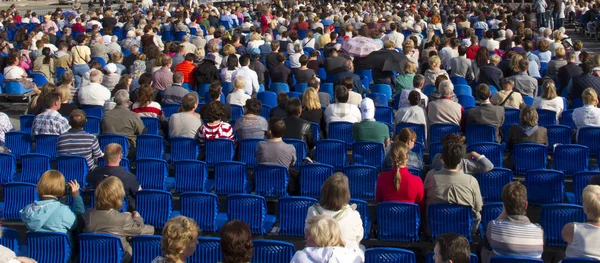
{"x": 557, "y": 105}
{"x": 13, "y": 72}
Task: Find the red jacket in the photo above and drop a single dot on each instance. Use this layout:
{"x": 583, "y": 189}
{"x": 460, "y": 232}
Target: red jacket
{"x": 411, "y": 188}
{"x": 186, "y": 68}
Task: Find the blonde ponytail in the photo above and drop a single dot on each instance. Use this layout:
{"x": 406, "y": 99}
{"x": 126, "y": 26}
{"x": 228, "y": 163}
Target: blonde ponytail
{"x": 399, "y": 156}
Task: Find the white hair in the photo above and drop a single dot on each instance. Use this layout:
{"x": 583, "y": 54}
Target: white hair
{"x": 96, "y": 76}
{"x": 446, "y": 88}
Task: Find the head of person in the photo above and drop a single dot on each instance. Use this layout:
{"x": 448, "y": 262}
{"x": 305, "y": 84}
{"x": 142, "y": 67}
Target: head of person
{"x": 508, "y": 84}
{"x": 236, "y": 242}
{"x": 528, "y": 117}
{"x": 549, "y": 90}
{"x": 451, "y": 248}
{"x": 253, "y": 106}
{"x": 341, "y": 94}
{"x": 446, "y": 88}
{"x": 560, "y": 52}
{"x": 215, "y": 111}
{"x": 239, "y": 83}
{"x": 77, "y": 119}
{"x": 399, "y": 155}
{"x": 145, "y": 94}
{"x": 571, "y": 57}
{"x": 591, "y": 202}
{"x": 335, "y": 192}
{"x": 121, "y": 98}
{"x": 514, "y": 199}
{"x": 189, "y": 102}
{"x": 310, "y": 99}
{"x": 367, "y": 109}
{"x": 452, "y": 154}
{"x": 178, "y": 78}
{"x": 244, "y": 60}
{"x": 52, "y": 101}
{"x": 215, "y": 90}
{"x": 410, "y": 68}
{"x": 293, "y": 107}
{"x": 276, "y": 128}
{"x": 543, "y": 46}
{"x": 418, "y": 81}
{"x": 323, "y": 231}
{"x": 179, "y": 239}
{"x": 52, "y": 183}
{"x": 435, "y": 62}
{"x": 113, "y": 153}
{"x": 96, "y": 76}
{"x": 109, "y": 194}
{"x": 282, "y": 99}
{"x": 590, "y": 97}
{"x": 483, "y": 92}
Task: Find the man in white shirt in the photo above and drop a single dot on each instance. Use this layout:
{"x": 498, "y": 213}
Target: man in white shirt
{"x": 589, "y": 114}
{"x": 94, "y": 93}
{"x": 249, "y": 76}
{"x": 448, "y": 52}
{"x": 394, "y": 36}
{"x": 489, "y": 41}
{"x": 187, "y": 46}
{"x": 342, "y": 110}
{"x": 418, "y": 84}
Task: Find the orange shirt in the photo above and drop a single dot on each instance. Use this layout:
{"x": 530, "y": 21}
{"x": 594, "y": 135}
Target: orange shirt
{"x": 186, "y": 67}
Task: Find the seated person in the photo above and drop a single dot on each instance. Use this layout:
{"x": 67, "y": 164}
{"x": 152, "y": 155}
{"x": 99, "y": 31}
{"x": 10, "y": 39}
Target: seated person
{"x": 77, "y": 141}
{"x": 508, "y": 97}
{"x": 369, "y": 130}
{"x": 474, "y": 163}
{"x": 341, "y": 110}
{"x": 408, "y": 137}
{"x": 279, "y": 111}
{"x": 451, "y": 247}
{"x": 582, "y": 238}
{"x": 174, "y": 94}
{"x": 186, "y": 122}
{"x": 445, "y": 110}
{"x": 236, "y": 242}
{"x": 50, "y": 122}
{"x": 486, "y": 113}
{"x": 215, "y": 92}
{"x": 251, "y": 125}
{"x": 215, "y": 127}
{"x": 276, "y": 151}
{"x": 238, "y": 96}
{"x": 121, "y": 120}
{"x": 296, "y": 127}
{"x": 413, "y": 113}
{"x": 589, "y": 114}
{"x": 527, "y": 130}
{"x": 179, "y": 240}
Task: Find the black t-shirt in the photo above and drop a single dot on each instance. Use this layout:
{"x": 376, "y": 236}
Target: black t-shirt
{"x": 130, "y": 182}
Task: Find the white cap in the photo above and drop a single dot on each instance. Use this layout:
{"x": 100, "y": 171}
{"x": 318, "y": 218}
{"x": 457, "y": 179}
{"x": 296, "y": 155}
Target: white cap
{"x": 367, "y": 109}
{"x": 110, "y": 68}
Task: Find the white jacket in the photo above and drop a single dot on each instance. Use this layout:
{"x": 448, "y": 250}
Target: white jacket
{"x": 327, "y": 255}
{"x": 348, "y": 219}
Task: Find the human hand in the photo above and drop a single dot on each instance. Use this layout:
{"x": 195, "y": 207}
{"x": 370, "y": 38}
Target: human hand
{"x": 74, "y": 188}
{"x": 473, "y": 155}
{"x": 26, "y": 260}
{"x": 135, "y": 214}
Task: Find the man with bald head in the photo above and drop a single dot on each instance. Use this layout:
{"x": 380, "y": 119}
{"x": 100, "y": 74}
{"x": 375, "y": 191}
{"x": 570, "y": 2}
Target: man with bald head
{"x": 94, "y": 93}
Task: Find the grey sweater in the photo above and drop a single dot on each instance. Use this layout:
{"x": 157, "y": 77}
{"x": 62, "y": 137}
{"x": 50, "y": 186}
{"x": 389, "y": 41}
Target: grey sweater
{"x": 468, "y": 166}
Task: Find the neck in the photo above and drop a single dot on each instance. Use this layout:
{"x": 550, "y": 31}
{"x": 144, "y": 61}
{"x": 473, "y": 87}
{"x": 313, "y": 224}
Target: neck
{"x": 278, "y": 139}
{"x": 113, "y": 164}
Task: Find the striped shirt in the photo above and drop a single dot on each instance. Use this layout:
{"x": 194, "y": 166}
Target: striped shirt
{"x": 78, "y": 142}
{"x": 153, "y": 109}
{"x": 221, "y": 130}
{"x": 515, "y": 236}
{"x": 49, "y": 122}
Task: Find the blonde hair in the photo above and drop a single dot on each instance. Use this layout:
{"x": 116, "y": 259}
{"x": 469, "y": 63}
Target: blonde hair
{"x": 109, "y": 194}
{"x": 52, "y": 182}
{"x": 514, "y": 63}
{"x": 548, "y": 90}
{"x": 65, "y": 93}
{"x": 560, "y": 52}
{"x": 179, "y": 233}
{"x": 408, "y": 45}
{"x": 557, "y": 35}
{"x": 324, "y": 231}
{"x": 591, "y": 201}
{"x": 254, "y": 36}
{"x": 228, "y": 50}
{"x": 589, "y": 96}
{"x": 310, "y": 99}
{"x": 410, "y": 67}
{"x": 239, "y": 83}
{"x": 399, "y": 156}
{"x": 434, "y": 61}
{"x": 495, "y": 59}
{"x": 335, "y": 192}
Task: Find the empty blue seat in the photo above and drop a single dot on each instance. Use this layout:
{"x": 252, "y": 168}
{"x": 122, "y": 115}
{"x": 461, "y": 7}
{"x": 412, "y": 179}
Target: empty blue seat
{"x": 93, "y": 111}
{"x": 292, "y": 212}
{"x": 444, "y": 218}
{"x": 73, "y": 167}
{"x": 463, "y": 89}
{"x": 265, "y": 112}
{"x": 429, "y": 89}
{"x": 218, "y": 150}
{"x": 580, "y": 181}
{"x": 489, "y": 212}
{"x": 149, "y": 146}
{"x": 492, "y": 182}
{"x": 480, "y": 133}
{"x": 190, "y": 175}
{"x": 515, "y": 259}
{"x": 207, "y": 250}
{"x": 152, "y": 125}
{"x": 388, "y": 255}
{"x": 170, "y": 109}
{"x": 152, "y": 173}
{"x": 252, "y": 210}
{"x": 434, "y": 149}
{"x": 10, "y": 239}
{"x": 590, "y": 137}
{"x": 48, "y": 246}
{"x": 529, "y": 156}
{"x": 184, "y": 148}
{"x": 545, "y": 186}
{"x": 341, "y": 130}
{"x": 362, "y": 207}
{"x": 15, "y": 88}
{"x": 546, "y": 117}
{"x": 293, "y": 94}
{"x": 467, "y": 101}
{"x": 247, "y": 148}
{"x": 312, "y": 177}
{"x": 511, "y": 116}
{"x": 379, "y": 99}
{"x": 301, "y": 150}
{"x": 327, "y": 88}
{"x": 272, "y": 251}
{"x": 92, "y": 125}
{"x": 554, "y": 217}
{"x": 528, "y": 100}
{"x": 558, "y": 134}
{"x": 46, "y": 144}
{"x": 39, "y": 79}
{"x": 458, "y": 80}
{"x": 300, "y": 87}
{"x": 268, "y": 98}
{"x": 365, "y": 72}
{"x": 398, "y": 222}
{"x": 382, "y": 88}
{"x": 493, "y": 151}
{"x": 271, "y": 180}
{"x": 154, "y": 206}
{"x": 33, "y": 166}
{"x": 19, "y": 142}
{"x": 368, "y": 153}
{"x": 231, "y": 178}
{"x": 16, "y": 197}
{"x": 145, "y": 248}
{"x": 204, "y": 209}
{"x": 571, "y": 158}
{"x": 100, "y": 248}
{"x": 316, "y": 131}
{"x": 384, "y": 114}
{"x": 363, "y": 180}
{"x": 8, "y": 162}
{"x": 278, "y": 87}
{"x": 438, "y": 130}
{"x": 106, "y": 139}
{"x": 332, "y": 152}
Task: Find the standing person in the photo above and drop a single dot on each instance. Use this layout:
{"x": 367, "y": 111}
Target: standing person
{"x": 81, "y": 55}
{"x": 540, "y": 11}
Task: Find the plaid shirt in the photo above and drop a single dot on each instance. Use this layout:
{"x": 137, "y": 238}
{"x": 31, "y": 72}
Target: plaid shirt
{"x": 5, "y": 126}
{"x": 50, "y": 122}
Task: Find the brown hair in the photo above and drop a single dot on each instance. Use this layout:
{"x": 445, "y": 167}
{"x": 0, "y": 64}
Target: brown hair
{"x": 514, "y": 198}
{"x": 543, "y": 46}
{"x": 77, "y": 119}
{"x": 109, "y": 194}
{"x": 335, "y": 192}
{"x": 236, "y": 242}
{"x": 145, "y": 93}
{"x": 399, "y": 156}
{"x": 406, "y": 135}
{"x": 52, "y": 182}
{"x": 528, "y": 117}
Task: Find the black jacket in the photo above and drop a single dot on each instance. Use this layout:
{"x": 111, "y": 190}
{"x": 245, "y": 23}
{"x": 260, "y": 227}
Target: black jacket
{"x": 296, "y": 128}
{"x": 566, "y": 73}
{"x": 582, "y": 82}
{"x": 490, "y": 75}
{"x": 206, "y": 72}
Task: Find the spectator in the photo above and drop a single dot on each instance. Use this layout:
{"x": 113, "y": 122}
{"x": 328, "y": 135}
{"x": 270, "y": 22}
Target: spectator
{"x": 276, "y": 151}
{"x": 145, "y": 106}
{"x": 251, "y": 125}
{"x": 396, "y": 37}
{"x": 66, "y": 107}
{"x": 280, "y": 73}
{"x": 76, "y": 141}
{"x": 453, "y": 178}
{"x": 81, "y": 56}
{"x": 461, "y": 65}
{"x": 179, "y": 240}
{"x": 543, "y": 51}
{"x": 48, "y": 214}
{"x": 341, "y": 110}
{"x": 294, "y": 57}
{"x": 507, "y": 97}
{"x": 582, "y": 238}
{"x": 334, "y": 63}
{"x": 568, "y": 71}
{"x": 434, "y": 70}
{"x": 490, "y": 74}
{"x": 93, "y": 94}
{"x": 354, "y": 98}
{"x": 489, "y": 41}
{"x": 257, "y": 66}
{"x": 50, "y": 122}
{"x": 45, "y": 64}
{"x": 506, "y": 233}
{"x": 238, "y": 96}
{"x": 405, "y": 81}
{"x": 215, "y": 127}
{"x": 324, "y": 243}
{"x": 474, "y": 163}
{"x": 303, "y": 74}
{"x": 178, "y": 57}
{"x": 414, "y": 112}
{"x": 163, "y": 78}
{"x": 445, "y": 110}
{"x": 175, "y": 93}
{"x": 348, "y": 73}
{"x": 236, "y": 242}
{"x": 486, "y": 112}
{"x": 207, "y": 71}
{"x": 186, "y": 122}
{"x": 589, "y": 114}
{"x": 334, "y": 202}
{"x": 369, "y": 130}
{"x": 215, "y": 93}
{"x": 527, "y": 130}
{"x": 399, "y": 185}
{"x": 296, "y": 127}
{"x": 5, "y": 126}
{"x": 418, "y": 83}
{"x": 451, "y": 247}
{"x": 311, "y": 106}
{"x": 111, "y": 79}
{"x": 186, "y": 67}
{"x": 534, "y": 61}
{"x": 105, "y": 217}
{"x": 231, "y": 66}
{"x": 557, "y": 63}
{"x": 250, "y": 76}
{"x": 273, "y": 57}
{"x": 549, "y": 99}
{"x": 121, "y": 120}
{"x": 586, "y": 80}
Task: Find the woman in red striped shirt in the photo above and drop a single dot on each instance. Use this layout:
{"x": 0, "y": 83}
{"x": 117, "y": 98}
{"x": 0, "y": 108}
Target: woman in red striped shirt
{"x": 215, "y": 128}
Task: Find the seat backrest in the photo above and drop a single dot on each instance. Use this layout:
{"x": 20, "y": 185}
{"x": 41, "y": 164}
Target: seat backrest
{"x": 247, "y": 148}
{"x": 579, "y": 260}
{"x": 100, "y": 248}
{"x": 386, "y": 254}
{"x": 8, "y": 162}
{"x": 368, "y": 153}
{"x": 271, "y": 180}
{"x": 438, "y": 130}
{"x": 429, "y": 259}
{"x": 312, "y": 177}
{"x": 268, "y": 98}
{"x": 363, "y": 180}
{"x": 444, "y": 218}
{"x": 489, "y": 212}
{"x": 292, "y": 212}
{"x": 492, "y": 182}
{"x": 183, "y": 148}
{"x": 251, "y": 209}
{"x": 154, "y": 206}
{"x": 10, "y": 238}
{"x": 463, "y": 89}
{"x": 379, "y": 99}
{"x": 434, "y": 149}
{"x": 529, "y": 156}
{"x": 546, "y": 117}
{"x": 301, "y": 150}
{"x": 566, "y": 118}
{"x": 316, "y": 131}
{"x": 493, "y": 151}
{"x": 46, "y": 144}
{"x": 515, "y": 259}
{"x": 341, "y": 130}
{"x": 571, "y": 158}
{"x": 73, "y": 167}
{"x": 554, "y": 217}
{"x": 382, "y": 88}
{"x": 278, "y": 87}
{"x": 480, "y": 133}
{"x": 145, "y": 248}
{"x": 590, "y": 137}
{"x": 266, "y": 250}
{"x": 558, "y": 134}
{"x": 170, "y": 109}
{"x": 190, "y": 175}
{"x": 332, "y": 152}
{"x": 218, "y": 150}
{"x": 237, "y": 112}
{"x": 202, "y": 207}
{"x": 149, "y": 146}
{"x": 580, "y": 181}
{"x": 93, "y": 110}
{"x": 152, "y": 125}
{"x": 152, "y": 173}
{"x": 467, "y": 101}
{"x": 106, "y": 139}
{"x": 33, "y": 166}
{"x": 398, "y": 222}
{"x": 545, "y": 186}
{"x": 92, "y": 125}
{"x": 19, "y": 142}
{"x": 48, "y": 247}
{"x": 231, "y": 178}
{"x": 384, "y": 114}
{"x": 207, "y": 250}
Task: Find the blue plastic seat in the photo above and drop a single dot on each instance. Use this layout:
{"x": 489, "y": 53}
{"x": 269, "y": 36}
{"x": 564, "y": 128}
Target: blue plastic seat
{"x": 316, "y": 131}
{"x": 362, "y": 207}
{"x": 543, "y": 69}
{"x": 271, "y": 180}
{"x": 368, "y": 153}
{"x": 293, "y": 94}
{"x": 100, "y": 248}
{"x": 489, "y": 212}
{"x": 73, "y": 167}
{"x": 554, "y": 217}
{"x": 265, "y": 112}
{"x": 301, "y": 150}
{"x": 10, "y": 239}
{"x": 387, "y": 255}
{"x": 590, "y": 137}
{"x": 545, "y": 186}
{"x": 16, "y": 197}
{"x": 434, "y": 148}
{"x": 327, "y": 88}
{"x": 398, "y": 222}
{"x": 365, "y": 72}
{"x": 179, "y": 35}
{"x": 252, "y": 210}
{"x": 152, "y": 173}
{"x": 463, "y": 89}
{"x": 93, "y": 111}
{"x": 204, "y": 209}
{"x": 474, "y": 258}
{"x": 492, "y": 182}
{"x": 365, "y": 82}
{"x": 33, "y": 165}
{"x": 231, "y": 178}
{"x": 419, "y": 129}
{"x": 237, "y": 112}
{"x": 382, "y": 88}
{"x": 438, "y": 130}
{"x": 341, "y": 130}
{"x": 312, "y": 177}
{"x": 190, "y": 175}
{"x": 467, "y": 101}
{"x": 278, "y": 87}
{"x": 123, "y": 163}
{"x": 429, "y": 89}
{"x": 379, "y": 99}
{"x": 558, "y": 134}
{"x": 493, "y": 151}
{"x": 26, "y": 121}
{"x": 8, "y": 162}
{"x": 247, "y": 148}
{"x": 300, "y": 88}
{"x": 39, "y": 79}
{"x": 154, "y": 206}
{"x": 145, "y": 248}
{"x": 149, "y": 146}
{"x": 15, "y": 88}
{"x": 207, "y": 250}
{"x": 272, "y": 251}
{"x": 444, "y": 218}
{"x": 528, "y": 100}
{"x": 106, "y": 139}
{"x": 566, "y": 118}
{"x": 580, "y": 181}
{"x": 268, "y": 98}
{"x": 170, "y": 109}
{"x": 515, "y": 259}
{"x": 184, "y": 148}
{"x": 458, "y": 80}
{"x": 480, "y": 133}
{"x": 578, "y": 260}
{"x": 332, "y": 152}
{"x": 92, "y": 125}
{"x": 384, "y": 114}
{"x": 571, "y": 158}
{"x": 46, "y": 144}
{"x": 48, "y": 246}
{"x": 152, "y": 125}
{"x": 218, "y": 150}
{"x": 529, "y": 156}
{"x": 511, "y": 116}
{"x": 546, "y": 117}
{"x": 292, "y": 212}
{"x": 363, "y": 180}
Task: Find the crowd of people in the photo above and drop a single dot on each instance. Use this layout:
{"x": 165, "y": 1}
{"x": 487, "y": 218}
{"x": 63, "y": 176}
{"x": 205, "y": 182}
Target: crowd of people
{"x": 132, "y": 60}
